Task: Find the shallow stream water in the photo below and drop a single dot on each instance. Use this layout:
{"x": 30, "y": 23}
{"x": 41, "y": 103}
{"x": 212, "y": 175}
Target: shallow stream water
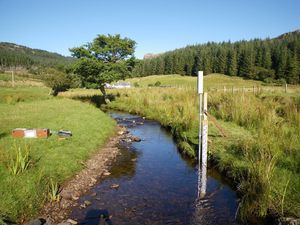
{"x": 151, "y": 183}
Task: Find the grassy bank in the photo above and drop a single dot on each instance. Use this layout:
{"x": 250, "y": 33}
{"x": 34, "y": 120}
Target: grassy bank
{"x": 254, "y": 138}
{"x": 51, "y": 160}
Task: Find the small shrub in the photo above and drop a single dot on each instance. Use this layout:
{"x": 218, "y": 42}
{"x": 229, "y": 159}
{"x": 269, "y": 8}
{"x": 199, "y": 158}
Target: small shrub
{"x": 20, "y": 160}
{"x": 136, "y": 84}
{"x": 57, "y": 81}
{"x": 54, "y": 191}
{"x": 157, "y": 84}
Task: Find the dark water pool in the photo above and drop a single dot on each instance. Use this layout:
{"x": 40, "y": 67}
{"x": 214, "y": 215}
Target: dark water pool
{"x": 156, "y": 186}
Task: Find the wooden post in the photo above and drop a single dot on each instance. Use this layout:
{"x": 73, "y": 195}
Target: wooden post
{"x": 204, "y": 149}
{"x": 224, "y": 89}
{"x": 12, "y": 79}
{"x": 286, "y": 88}
{"x": 200, "y": 92}
{"x": 253, "y": 89}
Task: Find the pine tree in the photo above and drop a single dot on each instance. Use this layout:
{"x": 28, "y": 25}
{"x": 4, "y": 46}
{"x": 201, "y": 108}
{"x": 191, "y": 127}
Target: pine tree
{"x": 168, "y": 64}
{"x": 281, "y": 67}
{"x": 292, "y": 75}
{"x": 231, "y": 67}
{"x": 245, "y": 65}
{"x": 221, "y": 61}
{"x": 266, "y": 58}
{"x": 196, "y": 66}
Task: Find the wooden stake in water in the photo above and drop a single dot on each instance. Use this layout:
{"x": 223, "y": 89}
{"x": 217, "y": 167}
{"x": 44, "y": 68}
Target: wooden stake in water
{"x": 203, "y": 134}
{"x": 204, "y": 149}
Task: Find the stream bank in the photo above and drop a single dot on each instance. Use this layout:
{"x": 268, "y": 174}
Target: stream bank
{"x": 95, "y": 168}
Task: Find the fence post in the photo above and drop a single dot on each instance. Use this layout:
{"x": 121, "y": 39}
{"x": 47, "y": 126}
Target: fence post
{"x": 12, "y": 79}
{"x": 285, "y": 87}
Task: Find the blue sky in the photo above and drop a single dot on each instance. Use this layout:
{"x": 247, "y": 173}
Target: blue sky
{"x": 156, "y": 25}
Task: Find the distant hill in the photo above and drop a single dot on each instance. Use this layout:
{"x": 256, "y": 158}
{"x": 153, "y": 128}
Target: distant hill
{"x": 14, "y": 55}
{"x": 289, "y": 34}
{"x": 274, "y": 60}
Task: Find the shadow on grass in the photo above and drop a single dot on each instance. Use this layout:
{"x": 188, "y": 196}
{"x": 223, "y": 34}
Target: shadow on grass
{"x": 3, "y": 134}
{"x": 6, "y": 220}
{"x": 97, "y": 100}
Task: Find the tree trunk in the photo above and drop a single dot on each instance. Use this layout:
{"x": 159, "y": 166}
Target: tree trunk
{"x": 102, "y": 89}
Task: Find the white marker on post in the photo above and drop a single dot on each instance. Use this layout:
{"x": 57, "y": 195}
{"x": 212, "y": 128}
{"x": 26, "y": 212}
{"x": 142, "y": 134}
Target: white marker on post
{"x": 200, "y": 82}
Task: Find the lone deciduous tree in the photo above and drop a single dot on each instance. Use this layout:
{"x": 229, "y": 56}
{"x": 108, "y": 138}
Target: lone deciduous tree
{"x": 106, "y": 59}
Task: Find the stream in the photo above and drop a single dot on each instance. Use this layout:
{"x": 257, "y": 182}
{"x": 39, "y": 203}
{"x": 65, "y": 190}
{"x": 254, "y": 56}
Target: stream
{"x": 152, "y": 184}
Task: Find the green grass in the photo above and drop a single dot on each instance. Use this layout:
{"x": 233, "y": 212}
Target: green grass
{"x": 52, "y": 159}
{"x": 210, "y": 81}
{"x": 20, "y": 80}
{"x": 12, "y": 96}
{"x": 215, "y": 82}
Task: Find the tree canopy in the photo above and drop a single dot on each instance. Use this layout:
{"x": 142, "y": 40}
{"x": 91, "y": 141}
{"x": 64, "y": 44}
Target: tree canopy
{"x": 105, "y": 59}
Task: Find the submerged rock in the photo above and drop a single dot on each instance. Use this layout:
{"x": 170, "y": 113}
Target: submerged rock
{"x": 74, "y": 222}
{"x": 115, "y": 186}
{"x": 106, "y": 173}
{"x": 39, "y": 221}
{"x": 87, "y": 203}
{"x": 135, "y": 139}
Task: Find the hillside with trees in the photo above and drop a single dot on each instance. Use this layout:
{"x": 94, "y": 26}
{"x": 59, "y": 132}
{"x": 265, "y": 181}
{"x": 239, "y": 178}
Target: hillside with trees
{"x": 17, "y": 56}
{"x": 270, "y": 60}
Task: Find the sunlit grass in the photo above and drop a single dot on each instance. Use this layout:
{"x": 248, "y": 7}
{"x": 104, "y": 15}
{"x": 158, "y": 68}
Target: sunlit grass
{"x": 59, "y": 159}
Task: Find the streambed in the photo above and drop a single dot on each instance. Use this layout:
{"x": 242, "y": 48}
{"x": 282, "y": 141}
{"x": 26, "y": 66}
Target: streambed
{"x": 152, "y": 184}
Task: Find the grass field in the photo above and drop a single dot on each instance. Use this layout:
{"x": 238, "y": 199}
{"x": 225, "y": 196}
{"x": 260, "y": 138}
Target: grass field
{"x": 254, "y": 137}
{"x": 19, "y": 81}
{"x": 213, "y": 83}
{"x": 51, "y": 160}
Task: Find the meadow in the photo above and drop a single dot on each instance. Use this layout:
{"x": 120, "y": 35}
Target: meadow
{"x": 254, "y": 137}
{"x": 32, "y": 170}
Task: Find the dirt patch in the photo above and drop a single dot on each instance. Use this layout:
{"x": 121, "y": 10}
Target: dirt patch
{"x": 95, "y": 168}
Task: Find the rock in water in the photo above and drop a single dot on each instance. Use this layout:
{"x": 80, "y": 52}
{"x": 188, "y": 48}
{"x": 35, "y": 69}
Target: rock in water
{"x": 135, "y": 139}
{"x": 115, "y": 186}
{"x": 39, "y": 221}
{"x": 87, "y": 203}
{"x": 106, "y": 173}
{"x": 74, "y": 222}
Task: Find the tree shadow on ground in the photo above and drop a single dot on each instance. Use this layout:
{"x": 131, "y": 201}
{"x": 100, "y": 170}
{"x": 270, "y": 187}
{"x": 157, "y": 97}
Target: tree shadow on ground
{"x": 97, "y": 100}
{"x": 96, "y": 216}
{"x": 3, "y": 134}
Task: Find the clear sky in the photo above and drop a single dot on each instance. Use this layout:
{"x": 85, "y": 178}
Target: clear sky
{"x": 156, "y": 25}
